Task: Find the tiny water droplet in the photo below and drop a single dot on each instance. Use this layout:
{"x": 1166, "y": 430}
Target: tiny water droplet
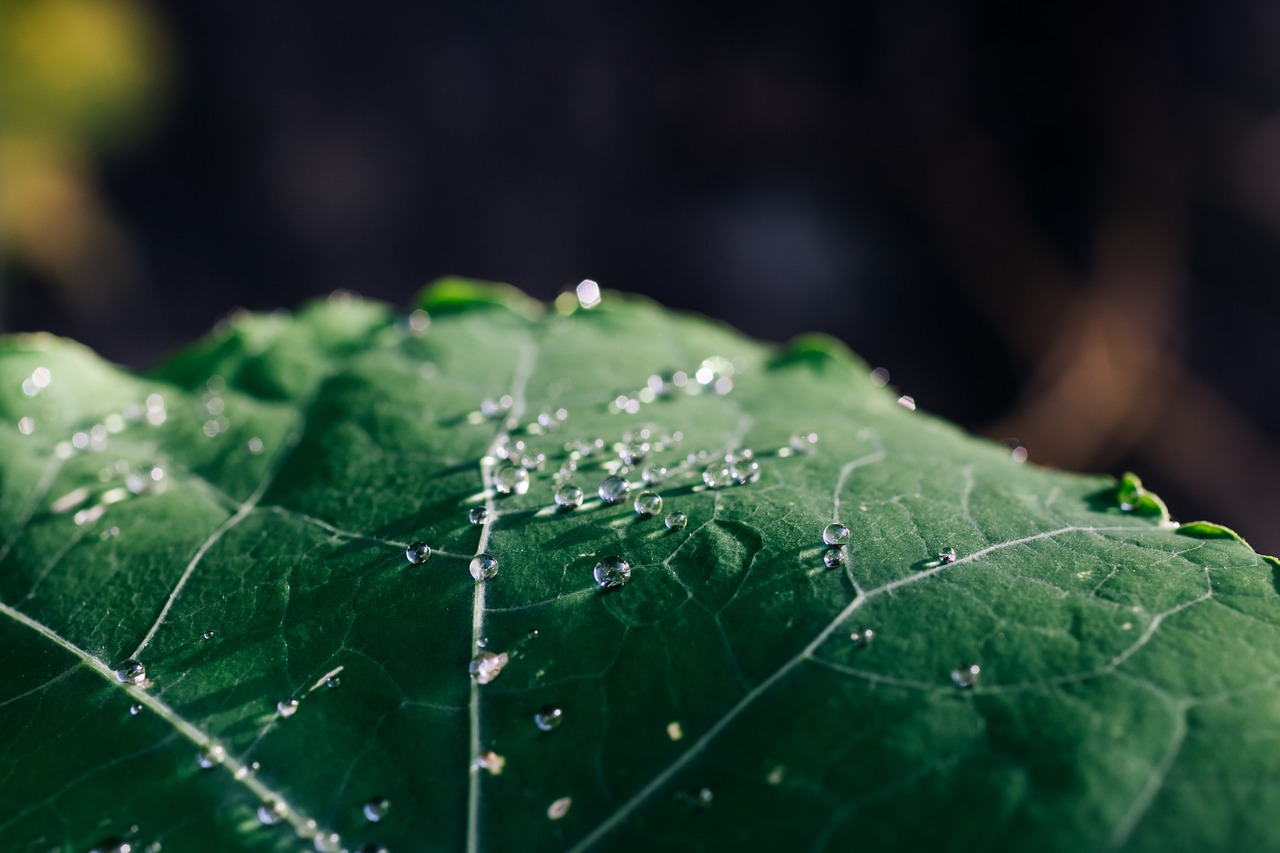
{"x": 417, "y": 552}
{"x": 371, "y": 847}
{"x": 487, "y": 666}
{"x": 490, "y": 761}
{"x": 675, "y": 731}
{"x": 614, "y": 490}
{"x": 634, "y": 452}
{"x": 862, "y": 637}
{"x": 208, "y": 635}
{"x": 491, "y": 408}
{"x": 717, "y": 476}
{"x": 677, "y": 520}
{"x": 568, "y": 496}
{"x": 966, "y": 676}
{"x": 255, "y": 445}
{"x": 478, "y": 514}
{"x": 835, "y": 534}
{"x": 880, "y": 377}
{"x": 908, "y": 403}
{"x": 612, "y": 572}
{"x": 135, "y": 710}
{"x": 329, "y": 842}
{"x": 648, "y": 503}
{"x": 287, "y": 707}
{"x": 332, "y": 681}
{"x": 744, "y": 471}
{"x": 484, "y": 566}
{"x": 112, "y": 845}
{"x": 699, "y": 798}
{"x": 804, "y": 442}
{"x": 835, "y": 556}
{"x": 211, "y": 756}
{"x": 247, "y": 770}
{"x": 269, "y": 814}
{"x": 26, "y": 426}
{"x": 131, "y": 672}
{"x": 376, "y": 809}
{"x": 559, "y": 808}
{"x": 548, "y": 717}
{"x": 653, "y": 474}
{"x": 511, "y": 480}
{"x": 947, "y": 556}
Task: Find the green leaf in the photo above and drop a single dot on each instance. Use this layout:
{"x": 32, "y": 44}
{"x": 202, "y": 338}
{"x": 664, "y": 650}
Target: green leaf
{"x": 238, "y": 522}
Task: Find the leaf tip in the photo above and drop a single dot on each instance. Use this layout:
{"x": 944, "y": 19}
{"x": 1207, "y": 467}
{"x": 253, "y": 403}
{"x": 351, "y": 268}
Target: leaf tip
{"x": 452, "y": 294}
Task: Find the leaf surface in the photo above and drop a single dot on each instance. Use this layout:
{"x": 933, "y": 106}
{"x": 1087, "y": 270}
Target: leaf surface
{"x": 238, "y": 521}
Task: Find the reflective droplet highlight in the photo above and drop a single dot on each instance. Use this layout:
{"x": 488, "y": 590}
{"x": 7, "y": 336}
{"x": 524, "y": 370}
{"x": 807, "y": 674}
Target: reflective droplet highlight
{"x": 484, "y": 566}
{"x": 478, "y": 514}
{"x": 559, "y": 808}
{"x": 376, "y": 809}
{"x": 648, "y": 503}
{"x": 966, "y": 676}
{"x": 614, "y": 490}
{"x": 269, "y": 814}
{"x": 211, "y": 756}
{"x": 568, "y": 496}
{"x": 862, "y": 637}
{"x": 676, "y": 520}
{"x": 717, "y": 476}
{"x": 803, "y": 442}
{"x": 287, "y": 707}
{"x": 486, "y": 666}
{"x": 835, "y": 534}
{"x": 548, "y": 717}
{"x": 511, "y": 480}
{"x": 417, "y": 553}
{"x": 612, "y": 572}
{"x": 835, "y": 556}
{"x": 131, "y": 672}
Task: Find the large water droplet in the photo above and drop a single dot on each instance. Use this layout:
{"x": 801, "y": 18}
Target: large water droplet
{"x": 568, "y": 496}
{"x": 614, "y": 490}
{"x": 612, "y": 572}
{"x": 947, "y": 556}
{"x": 484, "y": 566}
{"x": 478, "y": 514}
{"x": 376, "y": 809}
{"x": 511, "y": 479}
{"x": 744, "y": 471}
{"x": 548, "y": 717}
{"x": 966, "y": 676}
{"x": 486, "y": 666}
{"x": 287, "y": 707}
{"x": 835, "y": 556}
{"x": 676, "y": 520}
{"x": 269, "y": 814}
{"x": 131, "y": 672}
{"x": 417, "y": 552}
{"x": 835, "y": 534}
{"x": 648, "y": 503}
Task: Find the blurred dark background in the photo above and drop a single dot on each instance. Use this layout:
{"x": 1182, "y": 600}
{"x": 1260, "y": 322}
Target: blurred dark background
{"x": 1058, "y": 223}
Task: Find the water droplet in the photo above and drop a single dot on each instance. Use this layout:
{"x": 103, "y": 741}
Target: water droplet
{"x": 478, "y": 514}
{"x": 835, "y": 534}
{"x": 568, "y": 496}
{"x": 211, "y": 756}
{"x": 699, "y": 798}
{"x": 417, "y": 552}
{"x": 862, "y": 637}
{"x": 648, "y": 503}
{"x": 484, "y": 566}
{"x": 559, "y": 808}
{"x": 966, "y": 676}
{"x": 490, "y": 761}
{"x": 612, "y": 572}
{"x": 208, "y": 635}
{"x": 287, "y": 707}
{"x": 548, "y": 717}
{"x": 486, "y": 666}
{"x": 376, "y": 809}
{"x": 135, "y": 710}
{"x": 836, "y": 556}
{"x": 131, "y": 672}
{"x": 112, "y": 845}
{"x": 491, "y": 408}
{"x": 675, "y": 731}
{"x": 634, "y": 452}
{"x": 327, "y": 842}
{"x": 371, "y": 847}
{"x": 908, "y": 403}
{"x": 1019, "y": 454}
{"x": 717, "y": 476}
{"x": 247, "y": 770}
{"x": 511, "y": 479}
{"x": 676, "y": 520}
{"x": 744, "y": 471}
{"x": 269, "y": 814}
{"x": 653, "y": 474}
{"x": 588, "y": 293}
{"x": 947, "y": 556}
{"x": 880, "y": 377}
{"x": 26, "y": 426}
{"x": 332, "y": 681}
{"x": 804, "y": 442}
{"x": 614, "y": 490}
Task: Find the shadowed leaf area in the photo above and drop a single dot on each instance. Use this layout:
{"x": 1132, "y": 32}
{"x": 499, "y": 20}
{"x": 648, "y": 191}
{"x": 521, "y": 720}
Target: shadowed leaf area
{"x": 275, "y": 527}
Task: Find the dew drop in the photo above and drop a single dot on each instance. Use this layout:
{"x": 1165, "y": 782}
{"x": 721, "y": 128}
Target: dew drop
{"x": 329, "y": 842}
{"x": 131, "y": 672}
{"x": 371, "y": 847}
{"x": 966, "y": 676}
{"x": 478, "y": 514}
{"x": 614, "y": 490}
{"x": 835, "y": 556}
{"x": 648, "y": 503}
{"x": 947, "y": 556}
{"x": 511, "y": 479}
{"x": 417, "y": 552}
{"x": 112, "y": 845}
{"x": 675, "y": 731}
{"x": 269, "y": 814}
{"x": 568, "y": 496}
{"x": 247, "y": 770}
{"x": 491, "y": 408}
{"x": 287, "y": 707}
{"x": 255, "y": 445}
{"x": 484, "y": 566}
{"x": 486, "y": 666}
{"x": 376, "y": 809}
{"x": 332, "y": 681}
{"x": 559, "y": 808}
{"x": 490, "y": 761}
{"x": 634, "y": 452}
{"x": 908, "y": 403}
{"x": 717, "y": 476}
{"x": 26, "y": 426}
{"x": 676, "y": 521}
{"x": 588, "y": 293}
{"x": 653, "y": 474}
{"x": 208, "y": 635}
{"x": 744, "y": 471}
{"x": 862, "y": 637}
{"x": 211, "y": 756}
{"x": 612, "y": 572}
{"x": 880, "y": 377}
{"x": 699, "y": 798}
{"x": 835, "y": 534}
{"x": 135, "y": 710}
{"x": 549, "y": 717}
{"x": 804, "y": 442}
